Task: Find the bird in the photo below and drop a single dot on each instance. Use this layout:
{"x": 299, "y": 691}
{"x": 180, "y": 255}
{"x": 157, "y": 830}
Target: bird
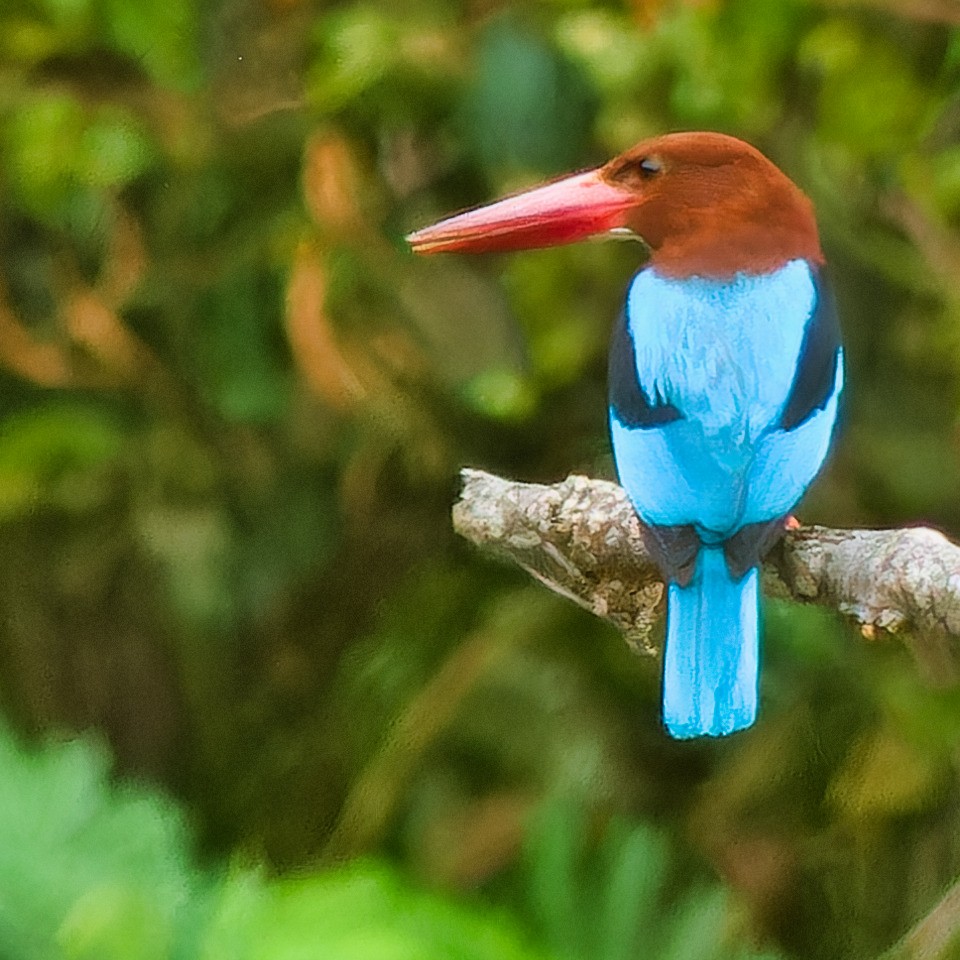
{"x": 725, "y": 373}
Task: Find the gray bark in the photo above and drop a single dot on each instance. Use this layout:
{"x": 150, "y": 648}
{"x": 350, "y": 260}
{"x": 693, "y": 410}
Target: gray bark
{"x": 581, "y": 538}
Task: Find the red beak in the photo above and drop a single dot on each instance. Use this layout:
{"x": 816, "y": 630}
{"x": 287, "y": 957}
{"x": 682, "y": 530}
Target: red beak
{"x": 564, "y": 211}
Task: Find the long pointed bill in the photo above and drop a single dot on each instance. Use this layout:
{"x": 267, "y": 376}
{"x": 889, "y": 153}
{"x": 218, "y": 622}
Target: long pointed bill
{"x": 565, "y": 211}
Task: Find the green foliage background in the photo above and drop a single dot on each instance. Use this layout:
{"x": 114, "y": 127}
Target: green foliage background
{"x": 232, "y": 412}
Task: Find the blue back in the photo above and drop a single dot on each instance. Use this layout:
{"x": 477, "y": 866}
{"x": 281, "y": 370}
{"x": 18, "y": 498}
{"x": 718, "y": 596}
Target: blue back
{"x": 723, "y": 396}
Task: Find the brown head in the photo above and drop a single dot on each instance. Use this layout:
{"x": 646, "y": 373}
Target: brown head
{"x": 704, "y": 203}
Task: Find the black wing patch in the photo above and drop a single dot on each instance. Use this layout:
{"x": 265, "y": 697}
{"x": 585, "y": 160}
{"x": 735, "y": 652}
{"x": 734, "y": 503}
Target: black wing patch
{"x": 674, "y": 551}
{"x": 750, "y": 544}
{"x": 630, "y": 402}
{"x": 817, "y": 362}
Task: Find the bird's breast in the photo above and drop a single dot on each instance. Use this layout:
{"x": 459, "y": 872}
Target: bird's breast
{"x": 724, "y": 353}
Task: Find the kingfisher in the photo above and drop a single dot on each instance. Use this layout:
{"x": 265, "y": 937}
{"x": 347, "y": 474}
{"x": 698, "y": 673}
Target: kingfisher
{"x": 725, "y": 372}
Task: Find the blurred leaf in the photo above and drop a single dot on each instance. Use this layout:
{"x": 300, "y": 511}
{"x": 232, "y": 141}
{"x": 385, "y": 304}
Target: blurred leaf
{"x": 358, "y": 45}
{"x": 48, "y": 455}
{"x": 528, "y": 108}
{"x": 65, "y": 12}
{"x": 60, "y": 153}
{"x": 88, "y": 871}
{"x": 619, "y": 901}
{"x": 555, "y": 294}
{"x": 869, "y": 101}
{"x": 636, "y": 866}
{"x": 161, "y": 35}
{"x": 368, "y": 58}
{"x": 101, "y": 872}
{"x": 696, "y": 929}
{"x": 27, "y": 41}
{"x": 728, "y": 60}
{"x": 40, "y": 139}
{"x": 609, "y": 47}
{"x": 501, "y": 395}
{"x": 553, "y": 856}
{"x": 238, "y": 348}
{"x": 364, "y": 911}
{"x": 113, "y": 150}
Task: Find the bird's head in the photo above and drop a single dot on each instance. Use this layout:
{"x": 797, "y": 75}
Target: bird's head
{"x": 705, "y": 204}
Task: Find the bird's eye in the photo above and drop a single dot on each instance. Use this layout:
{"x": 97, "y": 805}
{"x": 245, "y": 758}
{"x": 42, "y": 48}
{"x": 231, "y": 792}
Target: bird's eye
{"x": 633, "y": 171}
{"x": 649, "y": 167}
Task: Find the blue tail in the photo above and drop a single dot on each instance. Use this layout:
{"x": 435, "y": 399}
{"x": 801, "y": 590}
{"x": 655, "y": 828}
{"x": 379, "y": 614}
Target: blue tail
{"x": 711, "y": 660}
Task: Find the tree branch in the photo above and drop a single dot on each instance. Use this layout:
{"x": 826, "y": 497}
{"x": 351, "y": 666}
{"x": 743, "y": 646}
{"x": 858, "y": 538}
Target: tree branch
{"x": 581, "y": 538}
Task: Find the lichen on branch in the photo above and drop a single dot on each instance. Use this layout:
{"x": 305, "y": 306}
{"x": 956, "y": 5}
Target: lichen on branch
{"x": 581, "y": 538}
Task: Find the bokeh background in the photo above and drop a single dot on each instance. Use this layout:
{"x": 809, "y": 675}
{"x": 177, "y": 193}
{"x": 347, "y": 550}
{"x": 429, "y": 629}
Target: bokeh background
{"x": 258, "y": 700}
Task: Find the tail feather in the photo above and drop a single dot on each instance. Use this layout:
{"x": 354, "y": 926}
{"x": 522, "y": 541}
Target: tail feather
{"x": 711, "y": 659}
